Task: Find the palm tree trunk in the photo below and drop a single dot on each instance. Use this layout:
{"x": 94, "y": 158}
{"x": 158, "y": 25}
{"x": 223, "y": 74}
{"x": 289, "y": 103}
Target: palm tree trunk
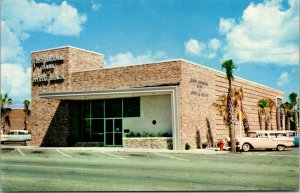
{"x": 245, "y": 120}
{"x": 260, "y": 119}
{"x": 25, "y": 121}
{"x": 297, "y": 120}
{"x": 231, "y": 119}
{"x": 278, "y": 119}
{"x": 288, "y": 122}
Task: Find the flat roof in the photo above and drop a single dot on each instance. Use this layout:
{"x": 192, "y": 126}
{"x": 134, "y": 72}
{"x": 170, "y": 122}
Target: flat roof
{"x": 61, "y": 47}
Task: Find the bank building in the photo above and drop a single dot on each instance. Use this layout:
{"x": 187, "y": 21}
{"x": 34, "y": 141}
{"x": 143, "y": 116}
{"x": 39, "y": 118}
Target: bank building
{"x": 76, "y": 101}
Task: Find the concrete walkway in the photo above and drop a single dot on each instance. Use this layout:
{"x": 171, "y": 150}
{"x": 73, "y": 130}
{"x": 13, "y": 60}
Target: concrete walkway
{"x": 121, "y": 149}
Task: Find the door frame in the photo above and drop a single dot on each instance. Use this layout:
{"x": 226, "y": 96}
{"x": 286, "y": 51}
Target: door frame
{"x": 113, "y": 145}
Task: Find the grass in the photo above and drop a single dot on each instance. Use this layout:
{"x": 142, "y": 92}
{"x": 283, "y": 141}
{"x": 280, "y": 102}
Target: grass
{"x": 95, "y": 171}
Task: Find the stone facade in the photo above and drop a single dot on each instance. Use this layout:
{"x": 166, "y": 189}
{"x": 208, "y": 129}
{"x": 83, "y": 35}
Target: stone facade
{"x": 148, "y": 142}
{"x": 82, "y": 71}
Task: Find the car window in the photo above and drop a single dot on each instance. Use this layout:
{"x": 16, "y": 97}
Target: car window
{"x": 22, "y": 133}
{"x": 272, "y": 135}
{"x": 263, "y": 135}
{"x": 292, "y": 134}
{"x": 13, "y": 133}
{"x": 280, "y": 135}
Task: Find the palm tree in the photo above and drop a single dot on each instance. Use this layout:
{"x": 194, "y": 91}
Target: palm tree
{"x": 27, "y": 112}
{"x": 5, "y": 104}
{"x": 271, "y": 105}
{"x": 228, "y": 65}
{"x": 262, "y": 112}
{"x": 239, "y": 97}
{"x": 293, "y": 103}
{"x": 286, "y": 107}
{"x": 221, "y": 106}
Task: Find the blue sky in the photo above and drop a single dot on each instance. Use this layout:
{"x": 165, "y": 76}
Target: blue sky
{"x": 260, "y": 36}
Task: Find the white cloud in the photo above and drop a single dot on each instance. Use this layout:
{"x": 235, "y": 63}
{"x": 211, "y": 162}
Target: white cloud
{"x": 198, "y": 48}
{"x": 283, "y": 79}
{"x": 213, "y": 47}
{"x": 226, "y": 25}
{"x": 19, "y": 19}
{"x": 194, "y": 47}
{"x": 126, "y": 59}
{"x": 26, "y": 16}
{"x": 96, "y": 5}
{"x": 266, "y": 33}
{"x": 10, "y": 41}
{"x": 15, "y": 80}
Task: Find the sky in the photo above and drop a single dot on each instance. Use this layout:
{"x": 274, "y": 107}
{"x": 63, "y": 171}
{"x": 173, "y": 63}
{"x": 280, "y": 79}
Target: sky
{"x": 261, "y": 37}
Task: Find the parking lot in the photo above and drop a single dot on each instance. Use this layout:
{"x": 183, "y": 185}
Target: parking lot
{"x": 109, "y": 169}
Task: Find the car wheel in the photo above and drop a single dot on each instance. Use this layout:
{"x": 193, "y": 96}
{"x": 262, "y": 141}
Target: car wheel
{"x": 246, "y": 147}
{"x": 280, "y": 147}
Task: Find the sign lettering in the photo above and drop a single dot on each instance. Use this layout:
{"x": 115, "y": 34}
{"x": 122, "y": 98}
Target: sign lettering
{"x": 200, "y": 85}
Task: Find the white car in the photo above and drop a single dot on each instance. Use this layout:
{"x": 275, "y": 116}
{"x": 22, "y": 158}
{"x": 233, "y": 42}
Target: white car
{"x": 265, "y": 140}
{"x": 16, "y": 136}
{"x": 3, "y": 137}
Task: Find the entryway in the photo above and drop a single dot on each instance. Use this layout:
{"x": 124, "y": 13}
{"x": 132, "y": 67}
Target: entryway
{"x": 113, "y": 132}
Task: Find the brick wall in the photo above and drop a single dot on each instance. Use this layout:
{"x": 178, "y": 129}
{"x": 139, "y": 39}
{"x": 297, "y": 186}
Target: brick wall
{"x": 16, "y": 118}
{"x": 164, "y": 73}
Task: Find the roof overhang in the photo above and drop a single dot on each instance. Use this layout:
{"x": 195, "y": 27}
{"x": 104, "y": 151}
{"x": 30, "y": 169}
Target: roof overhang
{"x": 109, "y": 93}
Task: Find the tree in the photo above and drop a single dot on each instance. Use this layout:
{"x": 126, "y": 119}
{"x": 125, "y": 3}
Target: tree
{"x": 286, "y": 107}
{"x": 294, "y": 110}
{"x": 239, "y": 97}
{"x": 290, "y": 110}
{"x": 27, "y": 112}
{"x": 271, "y": 105}
{"x": 262, "y": 111}
{"x": 5, "y": 104}
{"x": 221, "y": 106}
{"x": 228, "y": 65}
{"x": 265, "y": 110}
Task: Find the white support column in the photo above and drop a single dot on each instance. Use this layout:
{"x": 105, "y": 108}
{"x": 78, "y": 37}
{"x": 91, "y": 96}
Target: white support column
{"x": 175, "y": 119}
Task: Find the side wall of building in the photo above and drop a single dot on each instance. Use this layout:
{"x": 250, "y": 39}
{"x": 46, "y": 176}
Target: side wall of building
{"x": 200, "y": 88}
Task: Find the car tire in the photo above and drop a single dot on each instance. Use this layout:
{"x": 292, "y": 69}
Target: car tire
{"x": 280, "y": 147}
{"x": 246, "y": 147}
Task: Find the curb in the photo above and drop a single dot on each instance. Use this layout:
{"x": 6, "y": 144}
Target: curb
{"x": 118, "y": 149}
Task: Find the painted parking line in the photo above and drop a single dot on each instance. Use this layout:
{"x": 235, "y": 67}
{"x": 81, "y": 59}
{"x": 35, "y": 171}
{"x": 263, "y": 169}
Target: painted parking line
{"x": 119, "y": 157}
{"x": 63, "y": 153}
{"x": 21, "y": 152}
{"x": 278, "y": 155}
{"x": 171, "y": 157}
{"x": 55, "y": 167}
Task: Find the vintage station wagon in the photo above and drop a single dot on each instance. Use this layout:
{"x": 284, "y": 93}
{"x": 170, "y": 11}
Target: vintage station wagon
{"x": 265, "y": 140}
{"x": 16, "y": 136}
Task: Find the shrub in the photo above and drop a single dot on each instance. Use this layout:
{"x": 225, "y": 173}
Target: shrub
{"x": 204, "y": 145}
{"x": 187, "y": 146}
{"x": 146, "y": 134}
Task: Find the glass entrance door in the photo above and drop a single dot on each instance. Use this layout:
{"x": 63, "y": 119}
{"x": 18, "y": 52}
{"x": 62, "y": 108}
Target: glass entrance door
{"x": 113, "y": 132}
